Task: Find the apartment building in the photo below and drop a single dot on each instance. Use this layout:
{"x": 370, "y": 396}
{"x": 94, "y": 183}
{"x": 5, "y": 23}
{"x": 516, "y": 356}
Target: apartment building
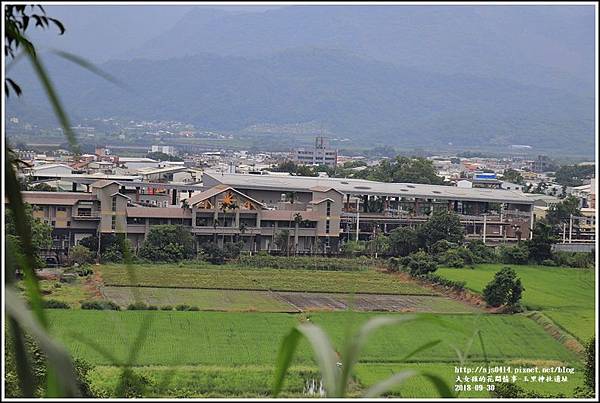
{"x": 320, "y": 154}
{"x": 316, "y": 214}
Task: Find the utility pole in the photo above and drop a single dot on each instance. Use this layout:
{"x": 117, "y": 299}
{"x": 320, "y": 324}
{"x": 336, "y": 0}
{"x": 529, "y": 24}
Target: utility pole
{"x": 484, "y": 227}
{"x": 564, "y": 232}
{"x": 570, "y": 227}
{"x": 357, "y": 217}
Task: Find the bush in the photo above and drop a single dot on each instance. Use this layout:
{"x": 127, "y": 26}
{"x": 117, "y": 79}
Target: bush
{"x": 420, "y": 263}
{"x": 306, "y": 262}
{"x": 442, "y": 246}
{"x": 452, "y": 258}
{"x": 166, "y": 308}
{"x": 354, "y": 248}
{"x": 54, "y": 304}
{"x": 152, "y": 308}
{"x": 194, "y": 308}
{"x": 84, "y": 271}
{"x": 167, "y": 243}
{"x": 182, "y": 307}
{"x": 504, "y": 289}
{"x": 518, "y": 254}
{"x": 574, "y": 259}
{"x": 81, "y": 255}
{"x": 549, "y": 262}
{"x": 137, "y": 306}
{"x": 481, "y": 253}
{"x": 437, "y": 279}
{"x": 100, "y": 305}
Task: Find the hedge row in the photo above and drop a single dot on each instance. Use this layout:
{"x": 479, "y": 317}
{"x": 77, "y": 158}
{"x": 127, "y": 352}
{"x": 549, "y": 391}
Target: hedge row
{"x": 306, "y": 262}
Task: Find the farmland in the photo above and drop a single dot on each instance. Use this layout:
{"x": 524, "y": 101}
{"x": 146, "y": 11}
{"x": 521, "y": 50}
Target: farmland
{"x": 228, "y": 348}
{"x": 368, "y": 281}
{"x": 221, "y": 341}
{"x": 564, "y": 294}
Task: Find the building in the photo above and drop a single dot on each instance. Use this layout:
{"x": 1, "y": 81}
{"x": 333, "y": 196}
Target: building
{"x": 315, "y": 214}
{"x": 320, "y": 154}
{"x": 169, "y": 150}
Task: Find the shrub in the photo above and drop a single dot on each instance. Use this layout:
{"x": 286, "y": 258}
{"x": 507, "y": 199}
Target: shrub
{"x": 589, "y": 370}
{"x": 84, "y": 271}
{"x": 167, "y": 243}
{"x": 306, "y": 262}
{"x": 100, "y": 305}
{"x": 194, "y": 308}
{"x": 81, "y": 255}
{"x": 182, "y": 307}
{"x": 574, "y": 259}
{"x": 518, "y": 254}
{"x": 420, "y": 263}
{"x": 549, "y": 262}
{"x": 152, "y": 308}
{"x": 452, "y": 258}
{"x": 504, "y": 289}
{"x": 481, "y": 253}
{"x": 54, "y": 304}
{"x": 437, "y": 279}
{"x": 442, "y": 246}
{"x": 166, "y": 308}
{"x": 354, "y": 248}
{"x": 137, "y": 306}
{"x": 403, "y": 241}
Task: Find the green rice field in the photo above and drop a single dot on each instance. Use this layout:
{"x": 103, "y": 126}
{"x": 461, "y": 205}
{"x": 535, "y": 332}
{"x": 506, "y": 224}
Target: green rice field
{"x": 368, "y": 281}
{"x": 564, "y": 294}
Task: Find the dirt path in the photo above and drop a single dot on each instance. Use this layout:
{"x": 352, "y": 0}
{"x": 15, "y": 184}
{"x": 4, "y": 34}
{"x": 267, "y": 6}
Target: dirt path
{"x": 93, "y": 285}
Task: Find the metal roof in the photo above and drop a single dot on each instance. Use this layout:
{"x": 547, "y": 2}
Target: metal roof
{"x": 366, "y": 187}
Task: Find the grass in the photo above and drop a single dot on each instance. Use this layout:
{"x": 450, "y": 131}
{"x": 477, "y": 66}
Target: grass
{"x": 217, "y": 338}
{"x": 566, "y": 295}
{"x": 206, "y": 300}
{"x": 228, "y": 277}
{"x": 369, "y": 374}
{"x": 206, "y": 381}
{"x": 505, "y": 337}
{"x": 176, "y": 338}
{"x": 70, "y": 293}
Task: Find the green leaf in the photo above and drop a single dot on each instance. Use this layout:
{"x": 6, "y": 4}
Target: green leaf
{"x": 440, "y": 385}
{"x": 323, "y": 351}
{"x": 419, "y": 349}
{"x": 354, "y": 347}
{"x": 86, "y": 64}
{"x": 22, "y": 362}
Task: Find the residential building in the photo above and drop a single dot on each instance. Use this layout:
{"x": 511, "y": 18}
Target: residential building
{"x": 320, "y": 154}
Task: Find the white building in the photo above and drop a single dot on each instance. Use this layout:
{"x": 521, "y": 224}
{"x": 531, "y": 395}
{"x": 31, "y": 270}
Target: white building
{"x": 169, "y": 150}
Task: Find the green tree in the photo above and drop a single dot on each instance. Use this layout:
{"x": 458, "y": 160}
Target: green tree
{"x": 167, "y": 243}
{"x": 420, "y": 264}
{"x": 41, "y": 234}
{"x": 511, "y": 175}
{"x": 504, "y": 289}
{"x": 561, "y": 212}
{"x": 573, "y": 175}
{"x": 160, "y": 156}
{"x": 404, "y": 170}
{"x": 80, "y": 254}
{"x": 282, "y": 240}
{"x": 442, "y": 225}
{"x": 403, "y": 241}
{"x": 540, "y": 245}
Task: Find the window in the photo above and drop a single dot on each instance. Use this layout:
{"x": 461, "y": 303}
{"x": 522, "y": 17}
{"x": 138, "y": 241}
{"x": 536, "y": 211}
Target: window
{"x": 61, "y": 208}
{"x": 327, "y": 227}
{"x": 84, "y": 212}
{"x": 114, "y": 203}
{"x": 328, "y": 209}
{"x": 114, "y": 222}
{"x": 68, "y": 223}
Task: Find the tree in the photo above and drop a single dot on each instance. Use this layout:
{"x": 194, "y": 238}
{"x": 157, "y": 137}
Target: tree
{"x": 420, "y": 264}
{"x": 353, "y": 248}
{"x": 282, "y": 239}
{"x": 442, "y": 225}
{"x": 573, "y": 175}
{"x": 41, "y": 234}
{"x": 561, "y": 212}
{"x": 80, "y": 254}
{"x": 380, "y": 244}
{"x": 511, "y": 175}
{"x": 167, "y": 243}
{"x": 540, "y": 245}
{"x": 403, "y": 169}
{"x": 504, "y": 289}
{"x": 403, "y": 241}
{"x": 517, "y": 254}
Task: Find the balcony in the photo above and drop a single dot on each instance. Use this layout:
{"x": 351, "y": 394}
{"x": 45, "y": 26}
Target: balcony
{"x": 86, "y": 216}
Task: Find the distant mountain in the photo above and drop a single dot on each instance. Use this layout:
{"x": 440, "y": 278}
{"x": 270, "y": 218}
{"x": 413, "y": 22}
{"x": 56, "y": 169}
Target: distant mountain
{"x": 371, "y": 102}
{"x": 544, "y": 45}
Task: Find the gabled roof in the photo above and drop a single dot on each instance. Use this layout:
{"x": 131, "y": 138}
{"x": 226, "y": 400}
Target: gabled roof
{"x": 216, "y": 190}
{"x": 324, "y": 189}
{"x": 120, "y": 194}
{"x": 103, "y": 183}
{"x": 321, "y": 201}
